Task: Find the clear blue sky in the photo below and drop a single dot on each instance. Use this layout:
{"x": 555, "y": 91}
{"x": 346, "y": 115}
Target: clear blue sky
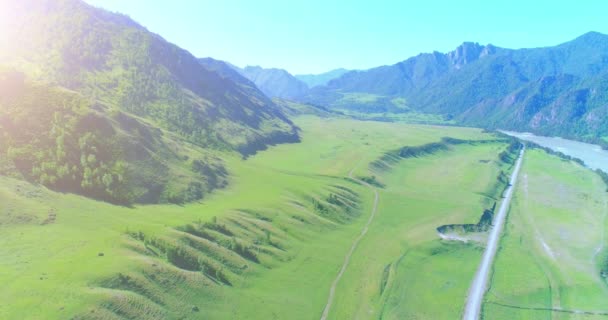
{"x": 318, "y": 35}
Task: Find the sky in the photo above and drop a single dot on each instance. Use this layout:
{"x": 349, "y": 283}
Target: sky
{"x": 315, "y": 36}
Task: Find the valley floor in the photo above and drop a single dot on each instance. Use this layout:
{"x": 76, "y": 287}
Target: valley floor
{"x": 270, "y": 245}
{"x": 554, "y": 245}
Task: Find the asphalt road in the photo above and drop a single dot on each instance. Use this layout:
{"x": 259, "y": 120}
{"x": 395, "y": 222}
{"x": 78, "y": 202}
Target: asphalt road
{"x": 478, "y": 288}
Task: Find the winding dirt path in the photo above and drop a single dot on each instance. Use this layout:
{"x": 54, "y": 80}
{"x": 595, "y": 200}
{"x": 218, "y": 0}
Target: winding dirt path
{"x": 332, "y": 289}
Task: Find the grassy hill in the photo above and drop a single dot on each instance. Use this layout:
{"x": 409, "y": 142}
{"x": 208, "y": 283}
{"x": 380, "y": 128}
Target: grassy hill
{"x": 112, "y": 59}
{"x": 95, "y": 104}
{"x": 68, "y": 142}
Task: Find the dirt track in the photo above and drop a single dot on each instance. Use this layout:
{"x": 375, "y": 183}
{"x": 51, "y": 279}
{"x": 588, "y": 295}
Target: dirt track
{"x": 332, "y": 289}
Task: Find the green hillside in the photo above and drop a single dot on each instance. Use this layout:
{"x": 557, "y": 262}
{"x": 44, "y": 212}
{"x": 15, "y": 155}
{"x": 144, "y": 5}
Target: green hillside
{"x": 558, "y": 90}
{"x": 65, "y": 141}
{"x": 110, "y": 58}
{"x": 95, "y": 104}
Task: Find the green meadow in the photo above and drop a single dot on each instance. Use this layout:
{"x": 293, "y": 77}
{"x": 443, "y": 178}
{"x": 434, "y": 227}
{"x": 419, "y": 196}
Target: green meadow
{"x": 415, "y": 274}
{"x": 270, "y": 244}
{"x": 548, "y": 266}
{"x": 139, "y": 180}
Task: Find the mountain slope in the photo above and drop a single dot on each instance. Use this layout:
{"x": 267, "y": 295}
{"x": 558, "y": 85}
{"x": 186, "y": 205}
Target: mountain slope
{"x": 380, "y": 86}
{"x": 63, "y": 140}
{"x": 313, "y": 80}
{"x": 275, "y": 83}
{"x": 552, "y": 90}
{"x": 93, "y": 103}
{"x": 111, "y": 58}
{"x": 412, "y": 74}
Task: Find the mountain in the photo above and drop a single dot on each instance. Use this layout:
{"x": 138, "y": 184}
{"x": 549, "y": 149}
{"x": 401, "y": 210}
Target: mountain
{"x": 226, "y": 70}
{"x": 313, "y": 80}
{"x": 275, "y": 83}
{"x": 553, "y": 90}
{"x": 94, "y": 103}
{"x": 383, "y": 89}
{"x": 410, "y": 75}
{"x": 113, "y": 59}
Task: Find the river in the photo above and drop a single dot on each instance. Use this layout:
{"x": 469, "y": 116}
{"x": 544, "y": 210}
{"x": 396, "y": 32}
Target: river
{"x": 593, "y": 155}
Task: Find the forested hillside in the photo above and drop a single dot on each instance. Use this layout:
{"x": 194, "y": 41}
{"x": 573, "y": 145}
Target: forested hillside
{"x": 63, "y": 140}
{"x": 93, "y": 103}
{"x": 560, "y": 90}
{"x": 110, "y": 58}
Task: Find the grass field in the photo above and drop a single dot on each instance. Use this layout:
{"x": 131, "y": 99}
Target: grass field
{"x": 414, "y": 275}
{"x": 549, "y": 255}
{"x": 407, "y": 117}
{"x": 266, "y": 247}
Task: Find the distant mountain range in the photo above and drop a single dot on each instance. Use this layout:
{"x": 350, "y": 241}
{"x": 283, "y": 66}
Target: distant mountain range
{"x": 275, "y": 83}
{"x": 279, "y": 83}
{"x": 560, "y": 90}
{"x": 313, "y": 80}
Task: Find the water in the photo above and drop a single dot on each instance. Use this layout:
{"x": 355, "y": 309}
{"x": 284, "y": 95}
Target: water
{"x": 593, "y": 155}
